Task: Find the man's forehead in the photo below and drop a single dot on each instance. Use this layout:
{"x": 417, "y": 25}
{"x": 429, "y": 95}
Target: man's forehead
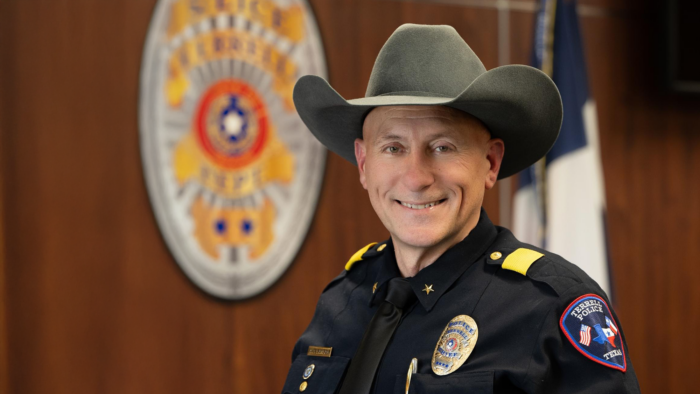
{"x": 381, "y": 118}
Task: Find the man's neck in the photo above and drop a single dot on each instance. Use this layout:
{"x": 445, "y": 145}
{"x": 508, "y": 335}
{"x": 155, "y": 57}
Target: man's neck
{"x": 411, "y": 259}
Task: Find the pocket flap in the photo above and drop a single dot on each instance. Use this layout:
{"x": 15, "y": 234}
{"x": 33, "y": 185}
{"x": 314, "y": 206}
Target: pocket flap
{"x": 478, "y": 382}
{"x": 325, "y": 378}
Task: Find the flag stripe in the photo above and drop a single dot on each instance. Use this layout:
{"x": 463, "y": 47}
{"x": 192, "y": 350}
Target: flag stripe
{"x": 562, "y": 208}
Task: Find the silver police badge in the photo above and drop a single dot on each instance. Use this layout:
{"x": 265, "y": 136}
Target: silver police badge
{"x": 455, "y": 345}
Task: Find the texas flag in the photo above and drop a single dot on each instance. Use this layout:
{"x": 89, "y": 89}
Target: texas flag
{"x": 604, "y": 335}
{"x": 610, "y": 324}
{"x": 560, "y": 202}
{"x": 611, "y": 336}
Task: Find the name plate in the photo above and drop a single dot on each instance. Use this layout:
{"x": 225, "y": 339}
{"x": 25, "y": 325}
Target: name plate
{"x": 319, "y": 351}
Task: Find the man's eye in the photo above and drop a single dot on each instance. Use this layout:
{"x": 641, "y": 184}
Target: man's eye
{"x": 392, "y": 149}
{"x": 442, "y": 148}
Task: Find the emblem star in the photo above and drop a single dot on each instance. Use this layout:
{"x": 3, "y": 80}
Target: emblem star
{"x": 428, "y": 289}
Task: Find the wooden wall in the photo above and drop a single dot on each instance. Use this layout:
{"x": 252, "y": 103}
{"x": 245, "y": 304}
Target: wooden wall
{"x": 92, "y": 301}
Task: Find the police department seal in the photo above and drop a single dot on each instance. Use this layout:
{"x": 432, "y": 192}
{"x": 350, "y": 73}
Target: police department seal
{"x": 232, "y": 173}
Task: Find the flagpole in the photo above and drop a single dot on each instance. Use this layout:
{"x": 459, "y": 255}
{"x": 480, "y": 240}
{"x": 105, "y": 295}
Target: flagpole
{"x": 504, "y": 185}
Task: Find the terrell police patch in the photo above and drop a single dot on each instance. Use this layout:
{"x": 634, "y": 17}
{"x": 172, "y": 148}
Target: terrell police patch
{"x": 591, "y": 328}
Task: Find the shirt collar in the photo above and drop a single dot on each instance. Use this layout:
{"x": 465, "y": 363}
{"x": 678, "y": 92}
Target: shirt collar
{"x": 445, "y": 270}
{"x": 388, "y": 269}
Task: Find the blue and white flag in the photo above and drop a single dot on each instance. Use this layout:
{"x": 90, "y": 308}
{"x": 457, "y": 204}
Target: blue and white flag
{"x": 560, "y": 203}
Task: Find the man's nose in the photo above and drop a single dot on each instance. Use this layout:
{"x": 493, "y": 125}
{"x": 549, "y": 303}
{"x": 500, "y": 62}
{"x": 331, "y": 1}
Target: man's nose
{"x": 418, "y": 173}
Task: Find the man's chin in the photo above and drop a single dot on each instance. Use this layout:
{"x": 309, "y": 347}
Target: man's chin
{"x": 418, "y": 239}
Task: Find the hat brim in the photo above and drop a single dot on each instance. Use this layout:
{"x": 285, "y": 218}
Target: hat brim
{"x": 517, "y": 103}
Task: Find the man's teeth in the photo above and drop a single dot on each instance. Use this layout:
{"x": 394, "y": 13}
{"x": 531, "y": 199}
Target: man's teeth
{"x": 420, "y": 206}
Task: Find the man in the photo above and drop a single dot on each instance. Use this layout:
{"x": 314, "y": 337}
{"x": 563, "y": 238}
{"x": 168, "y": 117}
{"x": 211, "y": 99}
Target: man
{"x": 450, "y": 303}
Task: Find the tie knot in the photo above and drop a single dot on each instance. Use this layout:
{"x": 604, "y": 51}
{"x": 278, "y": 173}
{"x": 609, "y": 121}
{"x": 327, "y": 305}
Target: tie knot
{"x": 399, "y": 293}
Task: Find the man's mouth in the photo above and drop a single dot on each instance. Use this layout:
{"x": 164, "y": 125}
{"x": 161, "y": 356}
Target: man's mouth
{"x": 421, "y": 206}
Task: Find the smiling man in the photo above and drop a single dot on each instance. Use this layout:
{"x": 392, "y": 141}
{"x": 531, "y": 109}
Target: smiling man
{"x": 450, "y": 303}
{"x": 426, "y": 169}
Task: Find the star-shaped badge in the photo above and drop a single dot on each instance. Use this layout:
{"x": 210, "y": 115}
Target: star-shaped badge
{"x": 428, "y": 289}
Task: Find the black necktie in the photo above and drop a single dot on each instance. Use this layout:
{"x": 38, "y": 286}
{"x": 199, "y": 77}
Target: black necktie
{"x": 363, "y": 366}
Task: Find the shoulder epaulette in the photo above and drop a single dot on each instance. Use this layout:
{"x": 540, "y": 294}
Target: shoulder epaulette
{"x": 534, "y": 263}
{"x": 557, "y": 273}
{"x": 367, "y": 251}
{"x": 521, "y": 260}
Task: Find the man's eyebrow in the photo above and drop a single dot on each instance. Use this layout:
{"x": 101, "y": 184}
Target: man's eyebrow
{"x": 389, "y": 137}
{"x": 443, "y": 134}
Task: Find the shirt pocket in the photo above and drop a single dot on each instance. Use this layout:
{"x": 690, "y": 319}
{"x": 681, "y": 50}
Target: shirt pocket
{"x": 477, "y": 382}
{"x": 325, "y": 376}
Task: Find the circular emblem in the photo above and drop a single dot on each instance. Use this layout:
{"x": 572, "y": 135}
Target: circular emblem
{"x": 308, "y": 371}
{"x": 232, "y": 124}
{"x": 232, "y": 173}
{"x": 455, "y": 345}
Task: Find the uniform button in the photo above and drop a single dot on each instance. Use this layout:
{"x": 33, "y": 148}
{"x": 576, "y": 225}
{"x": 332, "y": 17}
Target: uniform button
{"x": 303, "y": 385}
{"x": 496, "y": 255}
{"x": 381, "y": 247}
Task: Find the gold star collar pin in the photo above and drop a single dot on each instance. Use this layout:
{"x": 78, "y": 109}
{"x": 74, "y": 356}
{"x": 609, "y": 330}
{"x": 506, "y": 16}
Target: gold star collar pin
{"x": 428, "y": 289}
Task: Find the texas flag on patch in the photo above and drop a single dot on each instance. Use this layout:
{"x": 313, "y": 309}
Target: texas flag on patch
{"x": 604, "y": 335}
{"x": 585, "y": 335}
{"x": 610, "y": 324}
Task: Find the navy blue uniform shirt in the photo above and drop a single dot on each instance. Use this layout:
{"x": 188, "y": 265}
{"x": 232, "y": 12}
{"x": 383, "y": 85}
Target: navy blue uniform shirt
{"x": 523, "y": 320}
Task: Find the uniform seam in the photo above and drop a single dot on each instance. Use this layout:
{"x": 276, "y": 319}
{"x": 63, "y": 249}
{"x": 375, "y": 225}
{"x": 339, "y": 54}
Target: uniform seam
{"x": 484, "y": 291}
{"x": 347, "y": 302}
{"x": 558, "y": 267}
{"x": 534, "y": 346}
{"x": 562, "y": 266}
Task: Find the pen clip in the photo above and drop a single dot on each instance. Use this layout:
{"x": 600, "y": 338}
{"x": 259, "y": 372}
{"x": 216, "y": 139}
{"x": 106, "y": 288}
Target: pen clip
{"x": 412, "y": 368}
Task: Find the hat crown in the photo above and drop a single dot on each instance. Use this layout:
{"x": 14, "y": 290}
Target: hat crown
{"x": 432, "y": 60}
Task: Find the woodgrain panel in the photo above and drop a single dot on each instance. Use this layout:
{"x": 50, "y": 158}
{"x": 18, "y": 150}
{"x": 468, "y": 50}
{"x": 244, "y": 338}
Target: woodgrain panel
{"x": 95, "y": 301}
{"x": 5, "y": 42}
{"x": 650, "y": 145}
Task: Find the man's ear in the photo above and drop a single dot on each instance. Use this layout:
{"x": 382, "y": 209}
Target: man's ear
{"x": 360, "y": 156}
{"x": 494, "y": 154}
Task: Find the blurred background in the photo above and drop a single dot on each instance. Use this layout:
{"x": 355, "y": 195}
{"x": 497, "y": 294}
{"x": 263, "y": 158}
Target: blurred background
{"x": 92, "y": 300}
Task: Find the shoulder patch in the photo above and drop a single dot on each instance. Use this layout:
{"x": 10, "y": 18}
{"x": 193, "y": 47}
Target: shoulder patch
{"x": 357, "y": 256}
{"x": 590, "y": 327}
{"x": 521, "y": 260}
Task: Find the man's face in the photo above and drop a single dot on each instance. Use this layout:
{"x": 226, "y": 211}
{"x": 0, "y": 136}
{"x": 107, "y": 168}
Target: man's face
{"x": 426, "y": 169}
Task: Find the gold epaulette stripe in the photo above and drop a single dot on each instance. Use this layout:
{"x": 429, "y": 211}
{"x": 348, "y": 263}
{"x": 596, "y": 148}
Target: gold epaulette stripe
{"x": 521, "y": 260}
{"x": 358, "y": 256}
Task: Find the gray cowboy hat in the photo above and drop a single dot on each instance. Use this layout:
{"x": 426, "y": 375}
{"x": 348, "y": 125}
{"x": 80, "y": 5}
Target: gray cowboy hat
{"x": 432, "y": 65}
